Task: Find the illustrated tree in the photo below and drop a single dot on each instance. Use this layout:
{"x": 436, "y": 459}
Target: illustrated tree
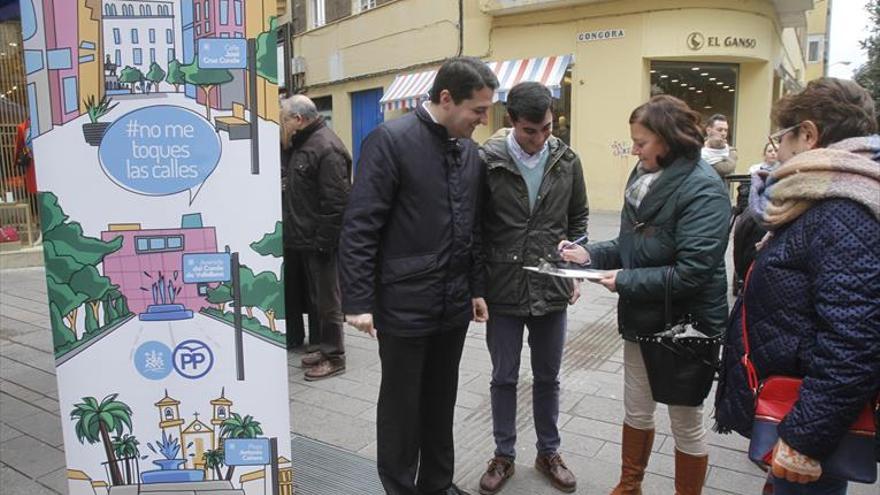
{"x": 249, "y": 299}
{"x": 95, "y": 287}
{"x": 267, "y": 291}
{"x": 206, "y": 79}
{"x": 270, "y": 289}
{"x": 131, "y": 76}
{"x": 126, "y": 447}
{"x": 214, "y": 461}
{"x": 68, "y": 254}
{"x": 95, "y": 421}
{"x": 239, "y": 427}
{"x": 267, "y": 53}
{"x": 270, "y": 244}
{"x": 220, "y": 295}
{"x": 155, "y": 75}
{"x": 868, "y": 75}
{"x": 175, "y": 75}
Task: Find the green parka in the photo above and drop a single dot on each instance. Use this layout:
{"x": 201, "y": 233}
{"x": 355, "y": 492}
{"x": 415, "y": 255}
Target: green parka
{"x": 514, "y": 236}
{"x": 683, "y": 221}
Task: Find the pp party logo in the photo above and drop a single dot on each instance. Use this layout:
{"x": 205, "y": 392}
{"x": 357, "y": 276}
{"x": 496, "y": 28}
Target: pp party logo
{"x": 160, "y": 150}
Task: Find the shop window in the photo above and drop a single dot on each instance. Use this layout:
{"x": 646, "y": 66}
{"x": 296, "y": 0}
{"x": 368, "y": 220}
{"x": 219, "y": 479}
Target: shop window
{"x": 561, "y": 111}
{"x": 325, "y": 109}
{"x": 815, "y": 48}
{"x": 708, "y": 88}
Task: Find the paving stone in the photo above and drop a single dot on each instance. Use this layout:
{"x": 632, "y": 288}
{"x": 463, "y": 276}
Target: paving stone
{"x": 43, "y": 426}
{"x": 56, "y": 480}
{"x": 15, "y": 483}
{"x": 30, "y": 456}
{"x": 733, "y": 481}
{"x": 8, "y": 433}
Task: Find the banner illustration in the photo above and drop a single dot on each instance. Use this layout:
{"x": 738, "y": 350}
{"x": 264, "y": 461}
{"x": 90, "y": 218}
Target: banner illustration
{"x": 155, "y": 126}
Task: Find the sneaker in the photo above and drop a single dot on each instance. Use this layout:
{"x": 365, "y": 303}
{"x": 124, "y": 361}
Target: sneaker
{"x": 311, "y": 359}
{"x": 553, "y": 467}
{"x": 324, "y": 369}
{"x": 499, "y": 471}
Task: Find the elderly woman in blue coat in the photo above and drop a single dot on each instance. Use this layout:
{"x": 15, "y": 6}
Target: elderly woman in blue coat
{"x": 813, "y": 295}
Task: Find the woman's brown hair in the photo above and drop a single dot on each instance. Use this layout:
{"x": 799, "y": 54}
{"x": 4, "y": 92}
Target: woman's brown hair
{"x": 674, "y": 122}
{"x": 840, "y": 109}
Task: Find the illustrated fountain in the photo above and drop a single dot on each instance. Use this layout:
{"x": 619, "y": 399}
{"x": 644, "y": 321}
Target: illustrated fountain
{"x": 164, "y": 308}
{"x": 170, "y": 471}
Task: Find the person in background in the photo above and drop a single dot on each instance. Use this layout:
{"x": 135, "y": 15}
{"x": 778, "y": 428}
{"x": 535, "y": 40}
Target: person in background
{"x": 676, "y": 214}
{"x": 534, "y": 196}
{"x": 411, "y": 263}
{"x": 318, "y": 182}
{"x": 747, "y": 232}
{"x": 720, "y": 155}
{"x": 813, "y": 295}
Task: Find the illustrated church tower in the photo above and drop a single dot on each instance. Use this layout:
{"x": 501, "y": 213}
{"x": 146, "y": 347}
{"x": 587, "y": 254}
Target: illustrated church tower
{"x": 222, "y": 412}
{"x": 169, "y": 414}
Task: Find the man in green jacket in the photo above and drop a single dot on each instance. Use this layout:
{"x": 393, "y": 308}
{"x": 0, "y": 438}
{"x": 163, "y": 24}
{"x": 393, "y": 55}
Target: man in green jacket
{"x": 535, "y": 197}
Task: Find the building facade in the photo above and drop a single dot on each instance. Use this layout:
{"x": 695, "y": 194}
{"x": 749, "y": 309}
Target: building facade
{"x": 619, "y": 53}
{"x": 127, "y": 43}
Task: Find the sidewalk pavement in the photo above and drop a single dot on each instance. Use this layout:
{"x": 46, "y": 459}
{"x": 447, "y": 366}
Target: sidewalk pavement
{"x": 341, "y": 411}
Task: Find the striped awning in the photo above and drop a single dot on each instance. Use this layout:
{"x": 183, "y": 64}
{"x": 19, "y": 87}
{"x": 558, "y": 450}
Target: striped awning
{"x": 545, "y": 70}
{"x": 409, "y": 90}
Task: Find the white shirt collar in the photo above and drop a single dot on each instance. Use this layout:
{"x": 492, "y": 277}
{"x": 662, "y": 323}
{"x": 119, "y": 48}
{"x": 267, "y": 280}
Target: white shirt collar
{"x": 529, "y": 161}
{"x": 428, "y": 109}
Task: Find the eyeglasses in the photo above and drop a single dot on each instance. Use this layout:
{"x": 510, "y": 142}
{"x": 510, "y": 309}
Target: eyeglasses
{"x": 777, "y": 136}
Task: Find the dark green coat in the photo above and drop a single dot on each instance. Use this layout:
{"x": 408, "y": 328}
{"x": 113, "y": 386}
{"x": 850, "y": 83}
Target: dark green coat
{"x": 514, "y": 236}
{"x": 683, "y": 221}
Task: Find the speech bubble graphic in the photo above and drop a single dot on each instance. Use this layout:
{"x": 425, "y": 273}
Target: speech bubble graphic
{"x": 160, "y": 150}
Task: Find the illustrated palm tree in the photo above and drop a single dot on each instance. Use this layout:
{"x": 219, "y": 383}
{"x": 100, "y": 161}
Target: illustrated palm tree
{"x": 126, "y": 447}
{"x": 238, "y": 427}
{"x": 214, "y": 460}
{"x": 95, "y": 421}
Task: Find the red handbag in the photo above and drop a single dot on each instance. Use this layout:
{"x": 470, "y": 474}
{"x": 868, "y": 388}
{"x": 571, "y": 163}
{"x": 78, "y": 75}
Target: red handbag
{"x": 851, "y": 460}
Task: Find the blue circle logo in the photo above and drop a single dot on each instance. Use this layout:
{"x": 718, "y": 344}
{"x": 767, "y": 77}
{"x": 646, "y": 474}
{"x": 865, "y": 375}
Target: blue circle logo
{"x": 153, "y": 360}
{"x": 193, "y": 359}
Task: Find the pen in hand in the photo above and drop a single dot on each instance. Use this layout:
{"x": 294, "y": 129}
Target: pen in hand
{"x": 572, "y": 243}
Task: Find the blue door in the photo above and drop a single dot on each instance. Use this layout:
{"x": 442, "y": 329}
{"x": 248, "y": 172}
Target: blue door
{"x": 366, "y": 114}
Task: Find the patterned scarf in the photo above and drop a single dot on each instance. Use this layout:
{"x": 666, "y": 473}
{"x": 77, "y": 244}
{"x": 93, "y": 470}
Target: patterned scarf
{"x": 637, "y": 191}
{"x": 846, "y": 169}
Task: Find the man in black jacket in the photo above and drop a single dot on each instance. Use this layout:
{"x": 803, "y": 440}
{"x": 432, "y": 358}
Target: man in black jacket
{"x": 535, "y": 197}
{"x": 410, "y": 262}
{"x": 317, "y": 185}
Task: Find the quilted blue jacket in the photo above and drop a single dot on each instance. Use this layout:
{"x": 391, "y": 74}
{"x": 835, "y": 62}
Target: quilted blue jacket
{"x": 813, "y": 312}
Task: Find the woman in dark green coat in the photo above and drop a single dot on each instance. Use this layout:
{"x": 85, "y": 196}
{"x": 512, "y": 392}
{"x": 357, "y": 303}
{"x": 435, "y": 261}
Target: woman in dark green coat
{"x": 674, "y": 224}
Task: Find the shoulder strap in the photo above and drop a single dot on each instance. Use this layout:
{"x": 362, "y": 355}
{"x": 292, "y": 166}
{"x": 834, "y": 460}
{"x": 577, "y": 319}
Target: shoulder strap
{"x": 751, "y": 372}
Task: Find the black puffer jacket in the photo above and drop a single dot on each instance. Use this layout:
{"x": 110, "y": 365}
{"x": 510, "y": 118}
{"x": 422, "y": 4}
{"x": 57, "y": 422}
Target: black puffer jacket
{"x": 318, "y": 182}
{"x": 682, "y": 222}
{"x": 515, "y": 236}
{"x": 410, "y": 248}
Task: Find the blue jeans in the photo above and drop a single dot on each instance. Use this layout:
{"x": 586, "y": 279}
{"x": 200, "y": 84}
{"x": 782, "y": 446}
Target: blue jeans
{"x": 504, "y": 337}
{"x": 822, "y": 486}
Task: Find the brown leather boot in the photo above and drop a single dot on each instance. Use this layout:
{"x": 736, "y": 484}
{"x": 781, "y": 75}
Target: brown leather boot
{"x": 634, "y": 456}
{"x": 499, "y": 471}
{"x": 690, "y": 473}
{"x": 557, "y": 472}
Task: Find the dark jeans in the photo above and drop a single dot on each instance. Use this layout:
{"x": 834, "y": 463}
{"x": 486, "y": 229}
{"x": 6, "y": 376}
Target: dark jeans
{"x": 822, "y": 486}
{"x": 415, "y": 411}
{"x": 323, "y": 280}
{"x": 504, "y": 336}
{"x": 296, "y": 302}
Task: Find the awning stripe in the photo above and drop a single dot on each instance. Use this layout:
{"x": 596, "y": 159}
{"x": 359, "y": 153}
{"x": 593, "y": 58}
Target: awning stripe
{"x": 409, "y": 90}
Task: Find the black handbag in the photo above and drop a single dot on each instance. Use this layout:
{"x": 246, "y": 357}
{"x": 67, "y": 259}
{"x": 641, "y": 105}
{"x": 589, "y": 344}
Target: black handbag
{"x": 680, "y": 360}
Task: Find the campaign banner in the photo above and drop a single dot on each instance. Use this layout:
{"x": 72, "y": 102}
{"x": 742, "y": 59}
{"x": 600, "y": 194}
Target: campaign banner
{"x": 155, "y": 135}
